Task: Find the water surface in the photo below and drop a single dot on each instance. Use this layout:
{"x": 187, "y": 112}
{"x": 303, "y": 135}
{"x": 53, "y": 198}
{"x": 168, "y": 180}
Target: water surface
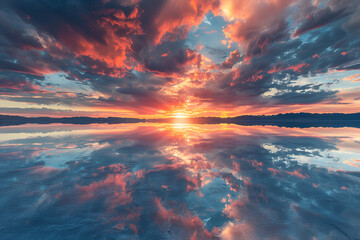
{"x": 179, "y": 181}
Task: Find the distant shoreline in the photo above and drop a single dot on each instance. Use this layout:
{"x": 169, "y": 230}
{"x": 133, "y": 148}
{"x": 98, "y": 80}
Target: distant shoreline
{"x": 302, "y": 120}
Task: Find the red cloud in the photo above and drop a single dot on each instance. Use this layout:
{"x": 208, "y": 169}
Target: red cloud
{"x": 252, "y": 18}
{"x": 175, "y": 15}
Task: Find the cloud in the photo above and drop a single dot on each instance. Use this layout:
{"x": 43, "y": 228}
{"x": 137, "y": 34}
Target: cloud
{"x": 320, "y": 18}
{"x": 232, "y": 59}
{"x": 142, "y": 56}
{"x": 253, "y": 19}
{"x": 173, "y": 17}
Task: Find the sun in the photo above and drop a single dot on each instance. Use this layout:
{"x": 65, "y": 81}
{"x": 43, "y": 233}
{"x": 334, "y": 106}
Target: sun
{"x": 180, "y": 115}
{"x": 180, "y": 119}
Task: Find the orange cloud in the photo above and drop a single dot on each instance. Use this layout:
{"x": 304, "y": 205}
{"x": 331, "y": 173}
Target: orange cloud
{"x": 179, "y": 16}
{"x": 353, "y": 78}
{"x": 350, "y": 163}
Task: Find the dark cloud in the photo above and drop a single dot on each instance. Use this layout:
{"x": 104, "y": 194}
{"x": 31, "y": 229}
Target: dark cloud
{"x": 12, "y": 31}
{"x": 321, "y": 18}
{"x": 11, "y": 83}
{"x": 280, "y": 65}
{"x": 166, "y": 58}
{"x": 64, "y": 20}
{"x": 259, "y": 43}
{"x": 310, "y": 97}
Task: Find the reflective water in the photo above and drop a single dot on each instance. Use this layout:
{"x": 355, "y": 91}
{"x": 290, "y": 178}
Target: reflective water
{"x": 178, "y": 181}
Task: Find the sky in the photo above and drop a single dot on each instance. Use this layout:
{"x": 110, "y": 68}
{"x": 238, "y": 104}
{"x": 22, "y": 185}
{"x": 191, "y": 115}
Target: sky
{"x": 161, "y": 58}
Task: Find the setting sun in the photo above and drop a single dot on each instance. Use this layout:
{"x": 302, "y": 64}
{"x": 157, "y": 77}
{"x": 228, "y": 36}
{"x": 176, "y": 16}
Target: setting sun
{"x": 180, "y": 115}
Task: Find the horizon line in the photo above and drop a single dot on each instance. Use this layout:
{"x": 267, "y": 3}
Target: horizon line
{"x": 172, "y": 117}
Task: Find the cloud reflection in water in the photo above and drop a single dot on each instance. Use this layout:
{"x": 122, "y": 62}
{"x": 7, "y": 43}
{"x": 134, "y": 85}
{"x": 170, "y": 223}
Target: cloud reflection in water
{"x": 179, "y": 181}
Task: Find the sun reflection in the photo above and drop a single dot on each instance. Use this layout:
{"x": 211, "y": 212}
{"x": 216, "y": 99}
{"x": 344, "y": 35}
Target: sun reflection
{"x": 180, "y": 120}
{"x": 180, "y": 125}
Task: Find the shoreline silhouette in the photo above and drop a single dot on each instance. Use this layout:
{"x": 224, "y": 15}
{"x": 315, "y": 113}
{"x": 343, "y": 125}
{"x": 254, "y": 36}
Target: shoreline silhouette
{"x": 302, "y": 120}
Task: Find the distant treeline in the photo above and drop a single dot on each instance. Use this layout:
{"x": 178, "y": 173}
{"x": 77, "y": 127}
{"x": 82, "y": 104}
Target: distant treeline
{"x": 6, "y": 120}
{"x": 282, "y": 120}
{"x": 290, "y": 120}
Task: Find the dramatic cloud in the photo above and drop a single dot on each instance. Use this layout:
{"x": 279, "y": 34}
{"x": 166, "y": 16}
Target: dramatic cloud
{"x": 156, "y": 57}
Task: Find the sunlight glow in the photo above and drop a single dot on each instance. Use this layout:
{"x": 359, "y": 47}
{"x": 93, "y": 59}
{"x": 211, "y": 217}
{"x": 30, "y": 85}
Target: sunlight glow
{"x": 180, "y": 119}
{"x": 180, "y": 115}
